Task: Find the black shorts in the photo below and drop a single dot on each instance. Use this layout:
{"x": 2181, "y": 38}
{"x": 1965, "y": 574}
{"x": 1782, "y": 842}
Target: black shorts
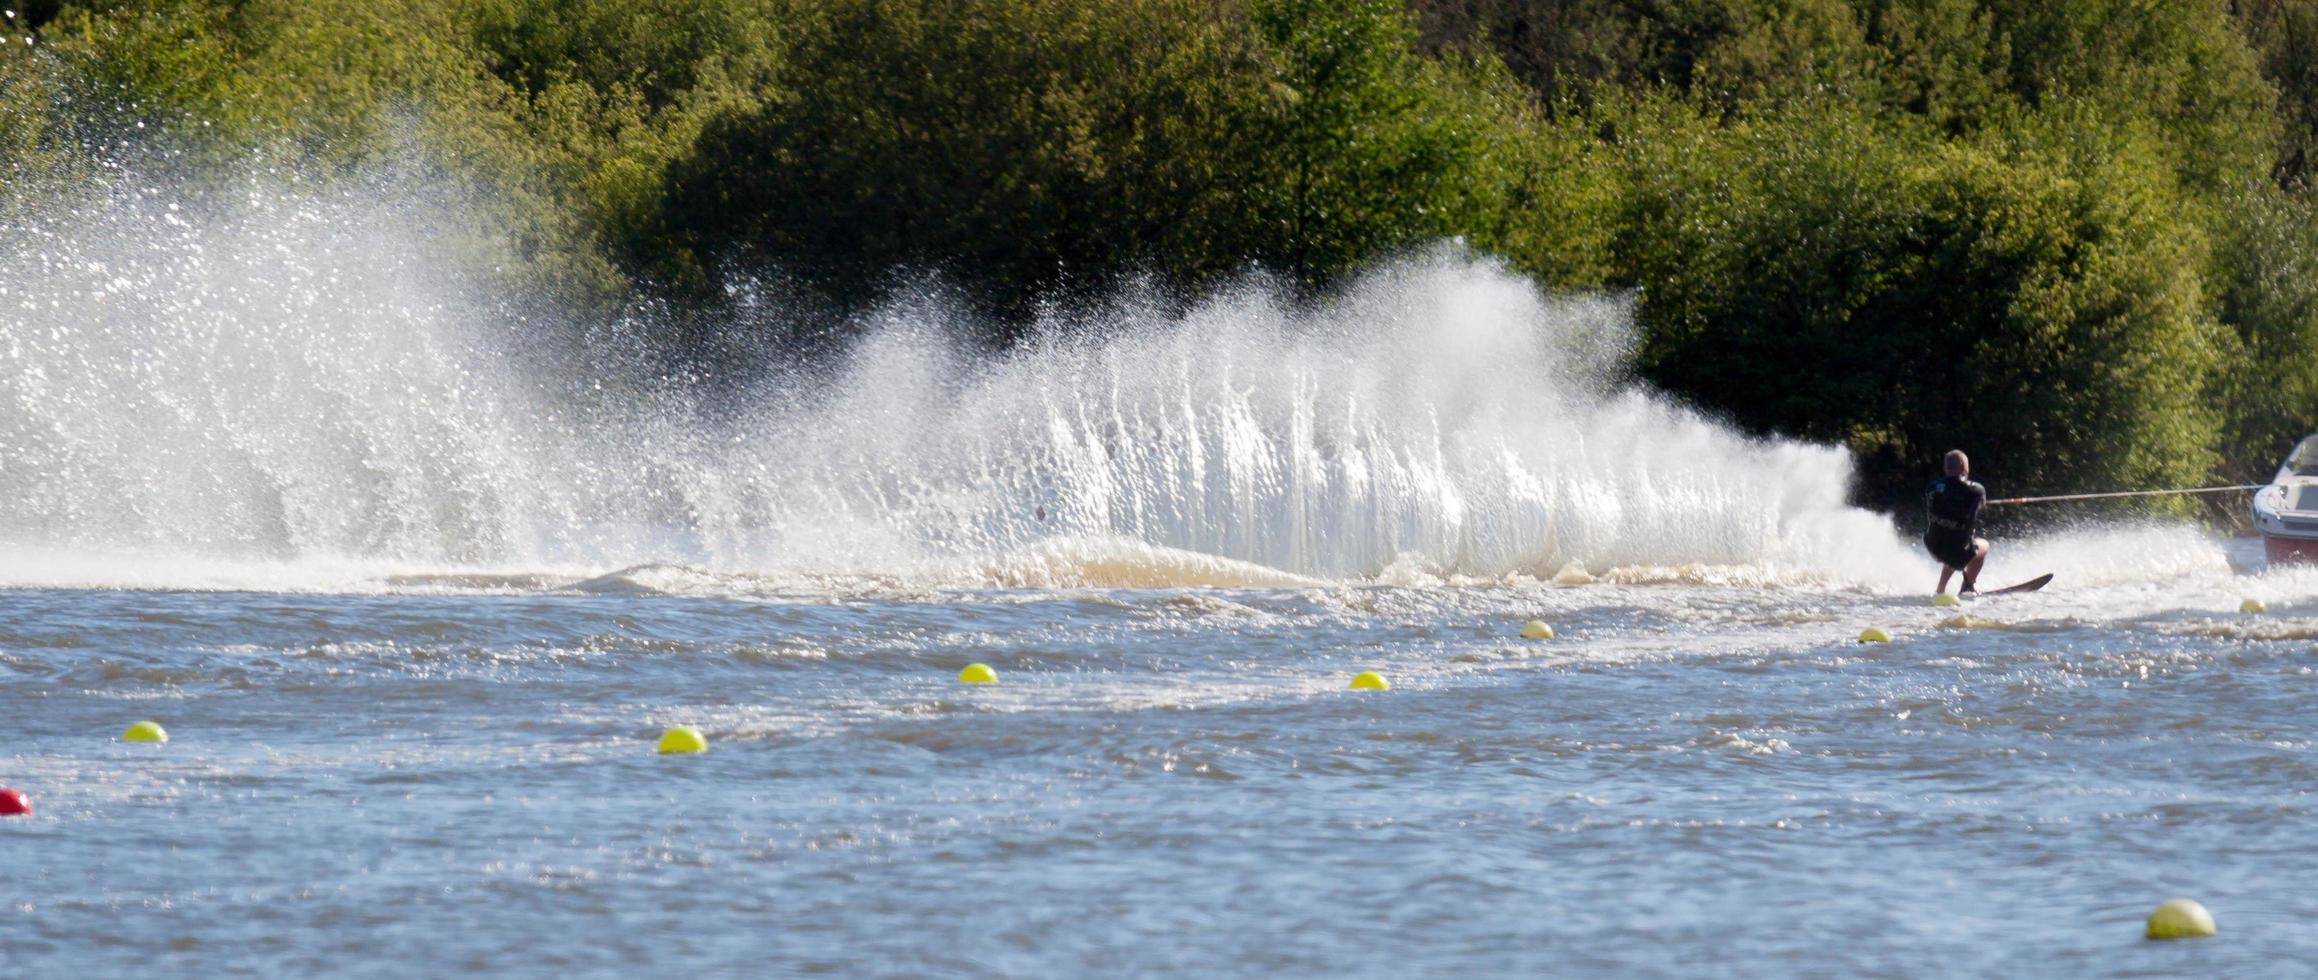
{"x": 1954, "y": 552}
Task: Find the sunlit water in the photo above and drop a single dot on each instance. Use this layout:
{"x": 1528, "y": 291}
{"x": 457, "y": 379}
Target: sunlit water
{"x": 1687, "y": 779}
{"x": 414, "y": 601}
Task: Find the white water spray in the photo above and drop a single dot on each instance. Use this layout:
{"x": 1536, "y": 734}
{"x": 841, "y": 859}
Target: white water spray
{"x": 301, "y": 381}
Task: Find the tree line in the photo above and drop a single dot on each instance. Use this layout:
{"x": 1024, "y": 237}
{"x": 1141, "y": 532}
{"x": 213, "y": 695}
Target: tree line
{"x": 2074, "y": 235}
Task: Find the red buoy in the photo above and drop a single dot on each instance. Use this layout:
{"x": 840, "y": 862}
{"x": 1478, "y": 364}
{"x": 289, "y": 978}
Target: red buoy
{"x": 13, "y": 803}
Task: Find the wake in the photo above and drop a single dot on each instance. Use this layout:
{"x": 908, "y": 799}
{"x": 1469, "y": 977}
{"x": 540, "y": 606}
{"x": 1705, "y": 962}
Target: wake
{"x": 299, "y": 380}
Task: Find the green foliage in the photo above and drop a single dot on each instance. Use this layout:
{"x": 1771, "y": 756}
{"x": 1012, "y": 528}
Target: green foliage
{"x": 1727, "y": 50}
{"x": 1012, "y": 144}
{"x": 1360, "y": 149}
{"x": 1547, "y": 191}
{"x": 616, "y": 94}
{"x": 2284, "y": 36}
{"x": 2266, "y": 288}
{"x": 538, "y": 114}
{"x": 32, "y": 124}
{"x": 667, "y": 54}
{"x": 2179, "y": 65}
{"x": 1947, "y": 61}
{"x": 1023, "y": 148}
{"x": 1788, "y": 50}
{"x": 2024, "y": 294}
{"x": 2075, "y": 237}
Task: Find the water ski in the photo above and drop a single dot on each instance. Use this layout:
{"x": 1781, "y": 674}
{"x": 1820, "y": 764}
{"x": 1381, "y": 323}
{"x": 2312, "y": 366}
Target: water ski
{"x": 2029, "y": 586}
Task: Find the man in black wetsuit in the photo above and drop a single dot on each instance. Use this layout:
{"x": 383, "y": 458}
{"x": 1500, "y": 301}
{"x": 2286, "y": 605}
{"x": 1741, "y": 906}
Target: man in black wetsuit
{"x": 1954, "y": 503}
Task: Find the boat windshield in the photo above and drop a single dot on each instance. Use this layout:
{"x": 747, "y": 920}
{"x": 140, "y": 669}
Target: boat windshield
{"x": 2304, "y": 461}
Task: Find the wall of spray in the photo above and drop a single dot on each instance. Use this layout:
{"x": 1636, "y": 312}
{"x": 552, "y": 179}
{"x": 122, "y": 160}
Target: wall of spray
{"x": 298, "y": 375}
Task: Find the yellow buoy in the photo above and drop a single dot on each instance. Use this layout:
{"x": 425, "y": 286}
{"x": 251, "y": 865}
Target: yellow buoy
{"x": 1944, "y": 599}
{"x": 1874, "y": 634}
{"x": 2180, "y": 918}
{"x": 1369, "y": 680}
{"x": 978, "y": 674}
{"x": 682, "y": 738}
{"x": 145, "y": 731}
{"x": 1536, "y": 629}
{"x": 2252, "y": 606}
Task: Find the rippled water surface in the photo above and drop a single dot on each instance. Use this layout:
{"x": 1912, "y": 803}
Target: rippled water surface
{"x": 1689, "y": 779}
{"x": 415, "y": 578}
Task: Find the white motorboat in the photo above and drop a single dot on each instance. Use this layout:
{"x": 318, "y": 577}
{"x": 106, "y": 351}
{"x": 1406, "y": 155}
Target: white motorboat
{"x": 2286, "y": 511}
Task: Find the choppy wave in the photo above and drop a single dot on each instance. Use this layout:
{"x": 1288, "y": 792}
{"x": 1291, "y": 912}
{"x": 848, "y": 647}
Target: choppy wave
{"x": 297, "y": 390}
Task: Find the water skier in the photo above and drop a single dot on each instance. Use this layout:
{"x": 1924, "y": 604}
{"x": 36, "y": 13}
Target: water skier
{"x": 1953, "y": 504}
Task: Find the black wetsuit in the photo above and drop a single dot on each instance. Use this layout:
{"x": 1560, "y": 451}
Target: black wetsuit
{"x": 1954, "y": 504}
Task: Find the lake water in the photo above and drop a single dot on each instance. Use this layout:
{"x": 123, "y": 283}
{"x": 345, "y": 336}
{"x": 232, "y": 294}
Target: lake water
{"x": 1688, "y": 779}
{"x": 414, "y": 579}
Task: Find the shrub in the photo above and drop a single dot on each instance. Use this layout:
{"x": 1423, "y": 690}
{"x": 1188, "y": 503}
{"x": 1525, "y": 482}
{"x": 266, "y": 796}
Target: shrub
{"x": 1816, "y": 275}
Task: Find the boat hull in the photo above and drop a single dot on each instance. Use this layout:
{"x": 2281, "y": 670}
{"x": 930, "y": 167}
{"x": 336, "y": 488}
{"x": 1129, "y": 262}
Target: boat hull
{"x": 2291, "y": 551}
{"x": 2286, "y": 511}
